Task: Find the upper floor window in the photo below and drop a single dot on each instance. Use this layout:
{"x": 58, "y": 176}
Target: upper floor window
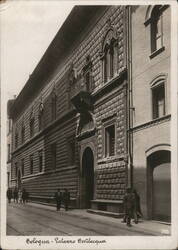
{"x": 53, "y": 105}
{"x": 40, "y": 116}
{"x": 23, "y": 134}
{"x": 154, "y": 18}
{"x": 8, "y": 152}
{"x": 156, "y": 29}
{"x": 40, "y": 155}
{"x": 32, "y": 127}
{"x": 31, "y": 164}
{"x": 71, "y": 151}
{"x": 16, "y": 139}
{"x": 109, "y": 54}
{"x": 158, "y": 97}
{"x": 54, "y": 154}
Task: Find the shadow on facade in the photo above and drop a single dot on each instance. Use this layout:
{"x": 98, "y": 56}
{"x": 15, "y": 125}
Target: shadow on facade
{"x": 159, "y": 186}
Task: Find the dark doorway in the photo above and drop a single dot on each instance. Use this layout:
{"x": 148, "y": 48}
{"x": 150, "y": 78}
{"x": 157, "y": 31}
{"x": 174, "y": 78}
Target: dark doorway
{"x": 87, "y": 178}
{"x": 159, "y": 185}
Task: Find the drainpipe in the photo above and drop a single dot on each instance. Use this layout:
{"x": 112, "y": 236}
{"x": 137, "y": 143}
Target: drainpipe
{"x": 130, "y": 108}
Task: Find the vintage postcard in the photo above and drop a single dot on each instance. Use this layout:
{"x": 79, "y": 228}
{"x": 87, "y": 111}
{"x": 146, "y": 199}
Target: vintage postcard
{"x": 89, "y": 124}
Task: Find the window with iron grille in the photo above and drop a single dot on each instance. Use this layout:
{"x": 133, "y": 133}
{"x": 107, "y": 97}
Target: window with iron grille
{"x": 110, "y": 140}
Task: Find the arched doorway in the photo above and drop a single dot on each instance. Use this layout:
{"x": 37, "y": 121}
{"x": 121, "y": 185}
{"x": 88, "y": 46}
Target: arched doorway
{"x": 19, "y": 180}
{"x": 87, "y": 178}
{"x": 159, "y": 185}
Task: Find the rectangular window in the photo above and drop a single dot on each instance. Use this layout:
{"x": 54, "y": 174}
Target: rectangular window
{"x": 23, "y": 134}
{"x": 40, "y": 154}
{"x": 110, "y": 140}
{"x": 53, "y": 155}
{"x": 40, "y": 121}
{"x": 54, "y": 103}
{"x": 16, "y": 140}
{"x": 158, "y": 95}
{"x": 8, "y": 152}
{"x": 87, "y": 80}
{"x": 32, "y": 127}
{"x": 22, "y": 167}
{"x": 71, "y": 152}
{"x": 156, "y": 29}
{"x": 31, "y": 164}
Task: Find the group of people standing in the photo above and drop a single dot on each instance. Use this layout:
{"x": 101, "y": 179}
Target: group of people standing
{"x": 19, "y": 195}
{"x": 132, "y": 207}
{"x": 62, "y": 197}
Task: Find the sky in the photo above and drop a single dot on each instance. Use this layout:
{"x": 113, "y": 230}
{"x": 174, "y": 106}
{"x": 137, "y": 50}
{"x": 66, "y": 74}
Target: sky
{"x": 27, "y": 27}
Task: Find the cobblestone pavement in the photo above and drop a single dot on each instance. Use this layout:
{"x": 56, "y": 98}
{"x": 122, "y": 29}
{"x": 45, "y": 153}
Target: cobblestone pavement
{"x": 32, "y": 220}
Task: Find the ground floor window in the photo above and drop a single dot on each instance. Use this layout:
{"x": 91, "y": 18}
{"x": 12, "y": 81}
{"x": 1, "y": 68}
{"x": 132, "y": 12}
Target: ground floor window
{"x": 110, "y": 140}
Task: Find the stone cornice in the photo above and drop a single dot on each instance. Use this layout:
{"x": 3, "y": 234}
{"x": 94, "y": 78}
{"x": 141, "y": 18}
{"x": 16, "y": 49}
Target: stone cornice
{"x": 151, "y": 123}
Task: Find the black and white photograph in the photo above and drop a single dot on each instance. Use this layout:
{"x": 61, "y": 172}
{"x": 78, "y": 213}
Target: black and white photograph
{"x": 88, "y": 124}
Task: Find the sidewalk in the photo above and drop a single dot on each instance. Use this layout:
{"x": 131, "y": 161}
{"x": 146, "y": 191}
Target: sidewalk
{"x": 147, "y": 226}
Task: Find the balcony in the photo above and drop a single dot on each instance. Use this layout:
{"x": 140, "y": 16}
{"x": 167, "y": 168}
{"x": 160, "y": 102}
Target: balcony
{"x": 80, "y": 95}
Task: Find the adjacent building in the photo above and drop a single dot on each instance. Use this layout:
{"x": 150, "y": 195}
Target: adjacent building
{"x": 9, "y": 143}
{"x": 94, "y": 114}
{"x": 151, "y": 113}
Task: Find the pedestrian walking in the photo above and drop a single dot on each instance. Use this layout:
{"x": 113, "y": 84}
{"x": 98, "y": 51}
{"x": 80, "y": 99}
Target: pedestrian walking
{"x": 137, "y": 207}
{"x": 20, "y": 196}
{"x": 15, "y": 195}
{"x": 66, "y": 198}
{"x": 58, "y": 199}
{"x": 129, "y": 204}
{"x": 24, "y": 195}
{"x": 9, "y": 195}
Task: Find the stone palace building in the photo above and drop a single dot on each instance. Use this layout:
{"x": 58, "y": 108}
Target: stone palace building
{"x": 94, "y": 116}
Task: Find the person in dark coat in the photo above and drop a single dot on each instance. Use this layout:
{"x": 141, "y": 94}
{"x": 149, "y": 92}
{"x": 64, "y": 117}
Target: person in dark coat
{"x": 137, "y": 208}
{"x": 58, "y": 198}
{"x": 129, "y": 204}
{"x": 16, "y": 195}
{"x": 66, "y": 199}
{"x": 9, "y": 195}
{"x": 24, "y": 195}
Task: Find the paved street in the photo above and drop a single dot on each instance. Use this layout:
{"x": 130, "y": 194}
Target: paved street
{"x": 37, "y": 220}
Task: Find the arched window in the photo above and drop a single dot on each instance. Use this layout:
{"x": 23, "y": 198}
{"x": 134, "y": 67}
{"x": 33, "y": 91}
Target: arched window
{"x": 108, "y": 54}
{"x": 106, "y": 63}
{"x": 158, "y": 97}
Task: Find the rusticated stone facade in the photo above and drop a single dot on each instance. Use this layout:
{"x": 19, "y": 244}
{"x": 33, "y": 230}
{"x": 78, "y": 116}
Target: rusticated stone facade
{"x": 72, "y": 113}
